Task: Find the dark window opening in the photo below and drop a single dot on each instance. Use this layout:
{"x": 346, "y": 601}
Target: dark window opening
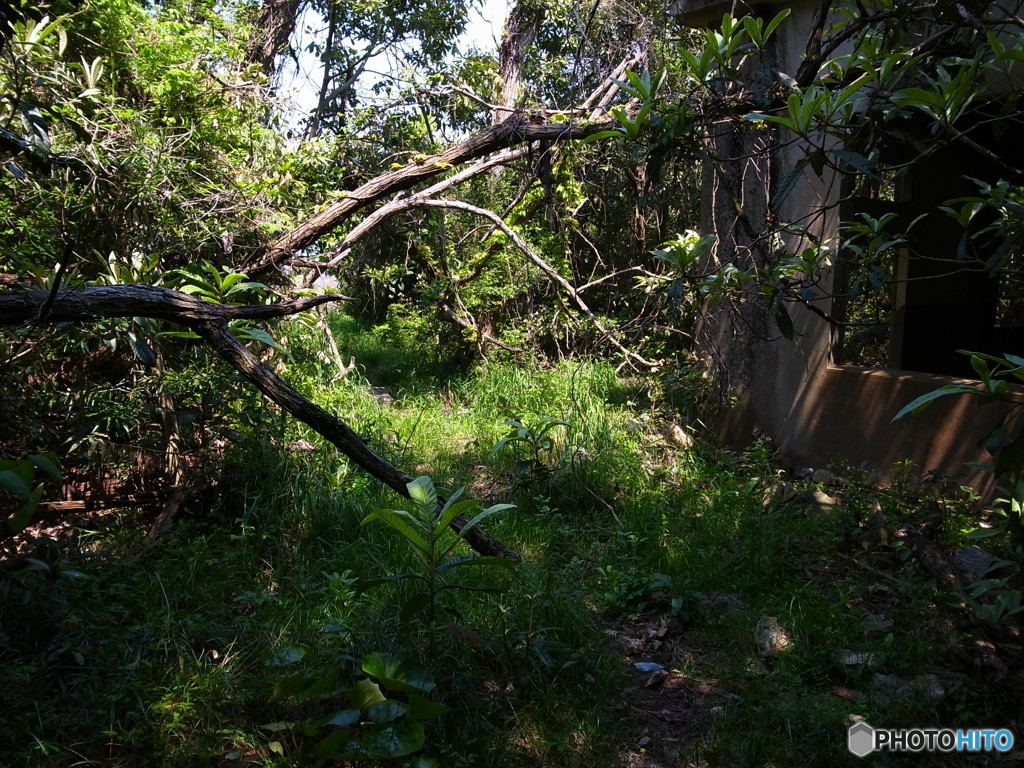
{"x": 943, "y": 289}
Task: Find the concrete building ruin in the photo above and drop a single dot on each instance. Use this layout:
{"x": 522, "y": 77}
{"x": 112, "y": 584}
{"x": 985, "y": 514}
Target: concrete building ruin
{"x": 832, "y": 390}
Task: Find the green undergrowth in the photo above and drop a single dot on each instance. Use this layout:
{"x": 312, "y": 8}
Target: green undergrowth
{"x": 243, "y": 634}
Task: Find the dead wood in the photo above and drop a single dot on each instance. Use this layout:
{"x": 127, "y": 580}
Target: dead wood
{"x": 210, "y": 322}
{"x": 511, "y": 132}
{"x": 134, "y": 300}
{"x": 174, "y": 504}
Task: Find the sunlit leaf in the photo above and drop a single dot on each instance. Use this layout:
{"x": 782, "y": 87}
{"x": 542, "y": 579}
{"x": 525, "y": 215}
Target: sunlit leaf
{"x": 398, "y": 674}
{"x": 364, "y": 694}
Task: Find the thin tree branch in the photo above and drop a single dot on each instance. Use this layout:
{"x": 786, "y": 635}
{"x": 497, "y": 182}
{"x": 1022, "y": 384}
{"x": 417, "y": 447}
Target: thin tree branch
{"x": 340, "y": 252}
{"x": 510, "y": 133}
{"x": 210, "y": 322}
{"x": 546, "y": 268}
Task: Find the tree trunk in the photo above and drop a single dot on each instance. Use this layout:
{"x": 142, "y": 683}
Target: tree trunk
{"x": 210, "y": 321}
{"x": 520, "y": 31}
{"x": 507, "y": 134}
{"x": 272, "y": 29}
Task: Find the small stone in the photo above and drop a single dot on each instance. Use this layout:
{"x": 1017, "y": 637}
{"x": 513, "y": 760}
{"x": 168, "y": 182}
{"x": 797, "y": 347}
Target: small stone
{"x": 823, "y": 501}
{"x": 973, "y": 560}
{"x": 875, "y": 532}
{"x": 855, "y": 658}
{"x": 679, "y": 436}
{"x": 779, "y": 494}
{"x": 756, "y": 668}
{"x": 648, "y": 666}
{"x": 643, "y": 741}
{"x": 877, "y": 622}
{"x": 657, "y": 679}
{"x": 929, "y": 687}
{"x": 382, "y": 395}
{"x": 822, "y": 476}
{"x": 772, "y": 638}
{"x": 888, "y": 690}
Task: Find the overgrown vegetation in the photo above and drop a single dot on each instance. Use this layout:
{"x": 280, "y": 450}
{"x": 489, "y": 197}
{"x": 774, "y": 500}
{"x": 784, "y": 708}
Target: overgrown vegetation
{"x": 190, "y": 574}
{"x": 245, "y": 634}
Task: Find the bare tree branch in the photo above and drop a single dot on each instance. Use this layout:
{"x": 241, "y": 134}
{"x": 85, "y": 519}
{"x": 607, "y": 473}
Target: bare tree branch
{"x": 340, "y": 252}
{"x": 210, "y": 321}
{"x": 134, "y": 300}
{"x": 510, "y": 133}
{"x": 546, "y": 268}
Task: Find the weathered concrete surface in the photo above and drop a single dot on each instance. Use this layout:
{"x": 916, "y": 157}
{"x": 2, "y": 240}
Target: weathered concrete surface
{"x": 814, "y": 410}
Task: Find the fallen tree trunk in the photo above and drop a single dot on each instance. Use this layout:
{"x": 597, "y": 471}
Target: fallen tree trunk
{"x": 509, "y": 133}
{"x": 210, "y": 322}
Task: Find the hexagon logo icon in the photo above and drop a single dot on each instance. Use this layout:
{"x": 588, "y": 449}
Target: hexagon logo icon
{"x": 860, "y": 739}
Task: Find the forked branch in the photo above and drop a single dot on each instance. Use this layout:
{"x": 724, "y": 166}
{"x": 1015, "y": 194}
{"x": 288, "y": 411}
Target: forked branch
{"x": 210, "y": 321}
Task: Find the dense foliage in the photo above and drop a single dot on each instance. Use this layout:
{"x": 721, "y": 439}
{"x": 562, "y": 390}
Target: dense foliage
{"x": 521, "y": 329}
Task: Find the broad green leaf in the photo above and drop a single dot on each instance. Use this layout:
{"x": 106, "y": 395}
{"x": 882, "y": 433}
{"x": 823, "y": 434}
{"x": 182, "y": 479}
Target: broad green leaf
{"x": 260, "y": 335}
{"x": 338, "y": 746}
{"x": 628, "y": 87}
{"x": 981, "y": 368}
{"x": 402, "y": 738}
{"x": 23, "y": 516}
{"x": 364, "y": 694}
{"x": 454, "y": 510}
{"x": 752, "y": 25}
{"x": 408, "y": 526}
{"x": 609, "y": 134}
{"x": 275, "y": 727}
{"x": 398, "y": 674}
{"x": 231, "y": 279}
{"x": 784, "y": 321}
{"x": 47, "y": 463}
{"x": 774, "y": 23}
{"x": 996, "y": 438}
{"x": 422, "y": 491}
{"x": 918, "y": 404}
{"x": 983, "y": 533}
{"x": 13, "y": 483}
{"x": 1010, "y": 457}
{"x": 847, "y": 95}
{"x": 291, "y": 686}
{"x": 387, "y": 711}
{"x": 287, "y": 655}
{"x": 417, "y": 603}
{"x": 787, "y": 184}
{"x": 492, "y": 510}
{"x": 857, "y": 161}
{"x": 342, "y": 719}
{"x": 422, "y": 708}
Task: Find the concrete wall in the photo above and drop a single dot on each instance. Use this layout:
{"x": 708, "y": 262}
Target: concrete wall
{"x": 814, "y": 410}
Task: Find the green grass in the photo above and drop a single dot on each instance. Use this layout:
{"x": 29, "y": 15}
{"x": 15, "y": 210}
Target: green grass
{"x": 169, "y": 655}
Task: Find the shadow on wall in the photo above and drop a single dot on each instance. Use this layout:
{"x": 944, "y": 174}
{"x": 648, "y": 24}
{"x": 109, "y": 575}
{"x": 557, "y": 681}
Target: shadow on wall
{"x": 846, "y": 412}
